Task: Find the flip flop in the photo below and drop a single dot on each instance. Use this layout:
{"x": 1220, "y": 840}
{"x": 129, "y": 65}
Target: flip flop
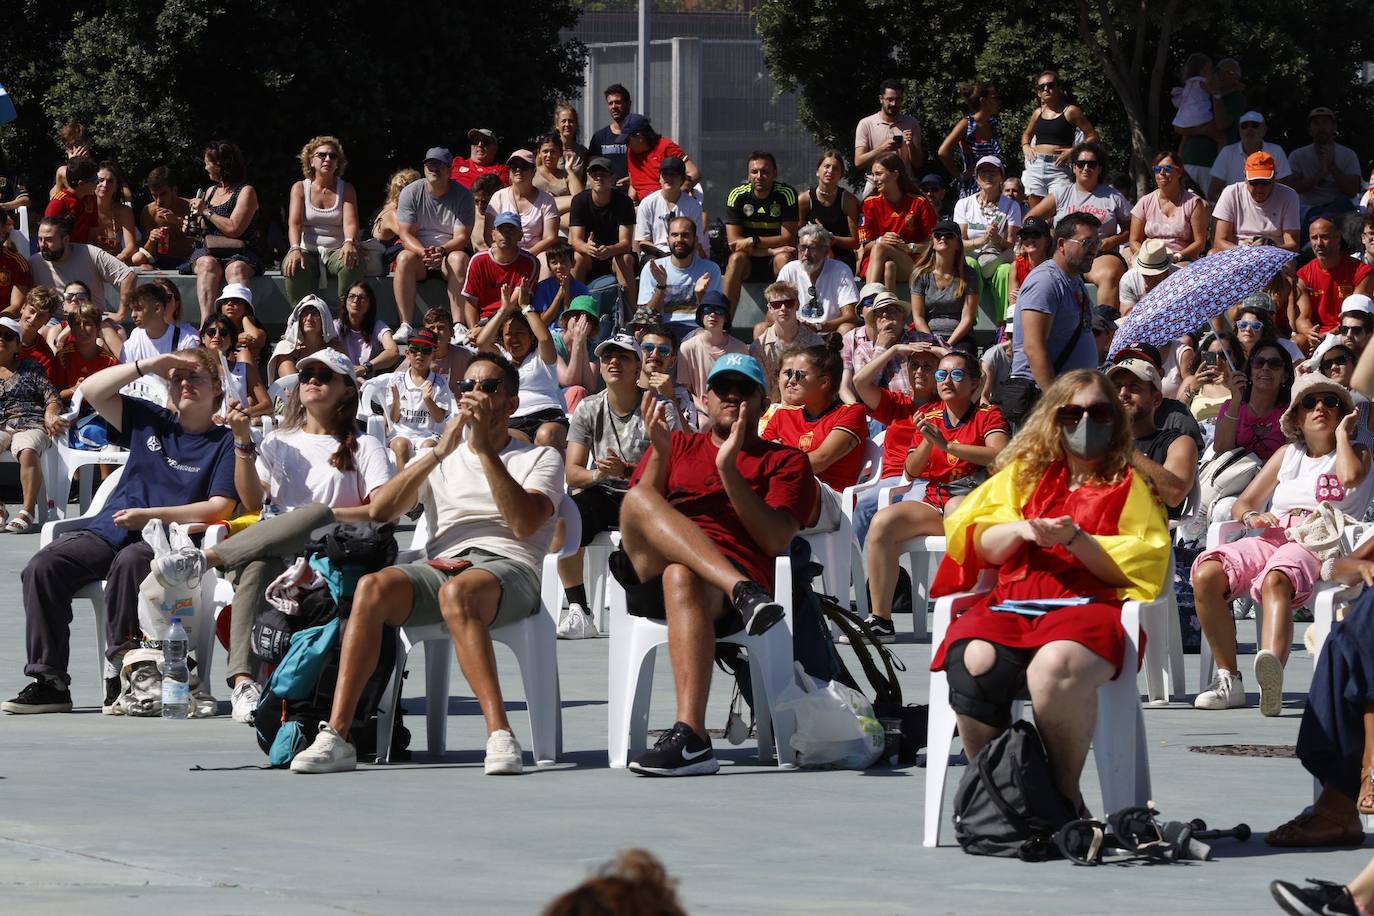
{"x": 1366, "y": 798}
{"x": 22, "y": 523}
{"x": 1314, "y": 830}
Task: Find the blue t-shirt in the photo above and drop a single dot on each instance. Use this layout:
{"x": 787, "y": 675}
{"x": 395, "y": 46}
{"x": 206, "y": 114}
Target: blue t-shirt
{"x": 167, "y": 467}
{"x": 679, "y": 299}
{"x": 547, "y": 290}
{"x": 1049, "y": 290}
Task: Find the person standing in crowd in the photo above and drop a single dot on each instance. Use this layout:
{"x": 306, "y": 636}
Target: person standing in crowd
{"x": 1049, "y": 138}
{"x": 760, "y": 227}
{"x": 76, "y": 202}
{"x": 1258, "y": 211}
{"x": 225, "y": 219}
{"x": 889, "y": 130}
{"x": 896, "y": 224}
{"x": 657, "y": 210}
{"x": 1325, "y": 281}
{"x": 180, "y": 469}
{"x": 1171, "y": 213}
{"x": 60, "y": 261}
{"x": 1326, "y": 174}
{"x": 602, "y": 221}
{"x": 481, "y": 160}
{"x": 645, "y": 151}
{"x": 606, "y": 440}
{"x": 1229, "y": 166}
{"x": 1201, "y": 142}
{"x": 434, "y": 221}
{"x": 1053, "y": 315}
{"x": 825, "y": 286}
{"x": 494, "y": 503}
{"x": 705, "y": 517}
{"x": 672, "y": 286}
{"x": 988, "y": 219}
{"x": 610, "y": 142}
{"x": 166, "y": 246}
{"x": 833, "y": 207}
{"x": 322, "y": 224}
{"x": 974, "y": 136}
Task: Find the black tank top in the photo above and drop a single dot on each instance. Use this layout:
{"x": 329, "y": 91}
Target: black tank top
{"x": 1054, "y": 132}
{"x": 833, "y": 219}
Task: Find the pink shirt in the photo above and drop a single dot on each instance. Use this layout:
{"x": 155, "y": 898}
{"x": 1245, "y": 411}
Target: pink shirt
{"x": 1175, "y": 230}
{"x": 532, "y": 215}
{"x": 695, "y": 359}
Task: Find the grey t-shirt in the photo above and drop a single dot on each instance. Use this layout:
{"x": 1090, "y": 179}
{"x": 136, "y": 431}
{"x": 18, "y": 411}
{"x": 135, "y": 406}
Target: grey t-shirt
{"x": 943, "y": 306}
{"x": 434, "y": 218}
{"x": 1048, "y": 289}
{"x": 1106, "y": 203}
{"x": 594, "y": 425}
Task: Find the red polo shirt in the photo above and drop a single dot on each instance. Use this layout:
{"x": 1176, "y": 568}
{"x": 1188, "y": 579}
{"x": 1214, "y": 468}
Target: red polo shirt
{"x": 465, "y": 172}
{"x": 1327, "y": 289}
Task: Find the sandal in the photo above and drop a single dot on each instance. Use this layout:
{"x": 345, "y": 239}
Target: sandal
{"x": 22, "y": 523}
{"x": 1366, "y": 797}
{"x": 1311, "y": 830}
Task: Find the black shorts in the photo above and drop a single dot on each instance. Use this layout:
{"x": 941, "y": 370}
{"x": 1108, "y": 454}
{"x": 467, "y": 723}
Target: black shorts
{"x": 761, "y": 270}
{"x": 529, "y": 424}
{"x": 645, "y": 599}
{"x": 600, "y": 510}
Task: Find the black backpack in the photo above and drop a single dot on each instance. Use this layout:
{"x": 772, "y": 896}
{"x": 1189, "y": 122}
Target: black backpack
{"x": 1007, "y": 803}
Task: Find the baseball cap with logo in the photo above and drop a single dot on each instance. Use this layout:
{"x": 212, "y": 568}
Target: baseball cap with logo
{"x": 1140, "y": 369}
{"x": 739, "y": 364}
{"x": 1259, "y": 165}
{"x": 619, "y": 341}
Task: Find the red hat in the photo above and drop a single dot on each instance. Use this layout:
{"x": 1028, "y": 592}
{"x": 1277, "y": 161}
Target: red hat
{"x": 423, "y": 338}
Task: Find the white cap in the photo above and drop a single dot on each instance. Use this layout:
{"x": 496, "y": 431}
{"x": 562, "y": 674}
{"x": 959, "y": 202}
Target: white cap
{"x": 1250, "y": 117}
{"x": 1358, "y": 302}
{"x": 236, "y": 291}
{"x": 332, "y": 360}
{"x": 991, "y": 160}
{"x": 10, "y": 324}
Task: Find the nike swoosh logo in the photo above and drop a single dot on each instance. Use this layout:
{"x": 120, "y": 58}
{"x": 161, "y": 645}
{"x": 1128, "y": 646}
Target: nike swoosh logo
{"x": 688, "y": 755}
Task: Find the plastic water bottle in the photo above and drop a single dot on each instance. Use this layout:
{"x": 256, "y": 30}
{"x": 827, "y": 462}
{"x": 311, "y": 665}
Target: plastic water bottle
{"x": 176, "y": 677}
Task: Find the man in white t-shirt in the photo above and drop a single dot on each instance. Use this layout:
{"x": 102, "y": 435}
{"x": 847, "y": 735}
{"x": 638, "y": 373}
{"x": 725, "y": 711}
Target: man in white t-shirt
{"x": 1259, "y": 210}
{"x": 674, "y": 285}
{"x": 152, "y": 336}
{"x": 660, "y": 208}
{"x": 1229, "y": 166}
{"x": 60, "y": 261}
{"x": 492, "y": 502}
{"x": 1326, "y": 174}
{"x": 826, "y": 291}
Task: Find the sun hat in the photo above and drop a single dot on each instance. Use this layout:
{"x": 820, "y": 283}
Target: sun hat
{"x": 1311, "y": 383}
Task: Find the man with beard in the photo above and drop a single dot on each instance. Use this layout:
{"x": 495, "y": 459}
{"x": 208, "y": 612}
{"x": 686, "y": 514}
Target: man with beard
{"x": 889, "y": 130}
{"x": 825, "y": 286}
{"x": 704, "y": 518}
{"x": 1168, "y": 457}
{"x": 1326, "y": 174}
{"x": 60, "y": 261}
{"x": 673, "y": 285}
{"x": 1325, "y": 281}
{"x": 1053, "y": 317}
{"x": 760, "y": 227}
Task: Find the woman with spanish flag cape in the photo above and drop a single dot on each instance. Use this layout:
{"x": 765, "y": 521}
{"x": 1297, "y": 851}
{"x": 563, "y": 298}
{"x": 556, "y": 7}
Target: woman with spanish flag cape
{"x": 1065, "y": 516}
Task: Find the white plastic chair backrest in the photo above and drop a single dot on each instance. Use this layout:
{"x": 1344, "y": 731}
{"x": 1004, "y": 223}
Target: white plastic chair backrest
{"x": 21, "y": 235}
{"x": 77, "y": 401}
{"x": 566, "y": 510}
{"x": 102, "y": 496}
{"x": 872, "y": 469}
{"x": 368, "y": 394}
{"x": 281, "y": 387}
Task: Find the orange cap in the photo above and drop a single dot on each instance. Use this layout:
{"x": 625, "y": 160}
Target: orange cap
{"x": 1259, "y": 165}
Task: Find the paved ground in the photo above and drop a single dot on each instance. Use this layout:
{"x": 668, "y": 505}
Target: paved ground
{"x": 104, "y": 815}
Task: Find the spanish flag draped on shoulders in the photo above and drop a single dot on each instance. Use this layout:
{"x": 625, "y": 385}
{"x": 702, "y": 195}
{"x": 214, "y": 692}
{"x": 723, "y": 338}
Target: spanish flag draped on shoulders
{"x": 1126, "y": 518}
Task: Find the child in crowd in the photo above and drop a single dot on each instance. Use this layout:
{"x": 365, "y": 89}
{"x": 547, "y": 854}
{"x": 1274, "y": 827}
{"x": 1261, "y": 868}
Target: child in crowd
{"x": 153, "y": 336}
{"x": 1193, "y": 99}
{"x": 701, "y": 351}
{"x": 560, "y": 288}
{"x": 421, "y": 401}
{"x": 450, "y": 359}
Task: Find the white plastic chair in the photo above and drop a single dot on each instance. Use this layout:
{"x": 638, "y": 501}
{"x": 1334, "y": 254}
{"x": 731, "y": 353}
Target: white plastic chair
{"x": 634, "y": 644}
{"x": 21, "y": 233}
{"x": 1164, "y": 644}
{"x": 923, "y": 556}
{"x": 886, "y": 497}
{"x": 61, "y": 463}
{"x": 368, "y": 403}
{"x": 596, "y": 570}
{"x": 532, "y": 639}
{"x": 1119, "y": 744}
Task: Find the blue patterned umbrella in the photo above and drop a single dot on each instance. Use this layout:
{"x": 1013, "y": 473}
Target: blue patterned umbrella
{"x": 1189, "y": 298}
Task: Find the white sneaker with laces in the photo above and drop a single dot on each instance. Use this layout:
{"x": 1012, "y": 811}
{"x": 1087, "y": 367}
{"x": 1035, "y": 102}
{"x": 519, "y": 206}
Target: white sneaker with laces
{"x": 504, "y": 757}
{"x": 183, "y": 567}
{"x": 330, "y": 753}
{"x": 1227, "y": 692}
{"x": 1269, "y": 677}
{"x": 403, "y": 332}
{"x": 245, "y": 699}
{"x": 576, "y": 623}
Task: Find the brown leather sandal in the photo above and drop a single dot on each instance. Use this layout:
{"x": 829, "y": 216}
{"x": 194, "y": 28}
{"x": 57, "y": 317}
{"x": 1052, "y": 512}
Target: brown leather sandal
{"x": 1312, "y": 829}
{"x": 1366, "y": 797}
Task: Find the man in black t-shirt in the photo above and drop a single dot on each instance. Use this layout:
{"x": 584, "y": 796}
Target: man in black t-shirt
{"x": 601, "y": 224}
{"x": 760, "y": 227}
{"x": 1167, "y": 457}
{"x": 609, "y": 141}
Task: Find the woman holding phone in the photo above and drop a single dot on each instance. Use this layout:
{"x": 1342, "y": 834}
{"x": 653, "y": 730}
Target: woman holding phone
{"x": 1206, "y": 389}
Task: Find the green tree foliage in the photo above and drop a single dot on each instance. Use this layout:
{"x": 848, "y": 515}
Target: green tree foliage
{"x": 155, "y": 79}
{"x": 1119, "y": 60}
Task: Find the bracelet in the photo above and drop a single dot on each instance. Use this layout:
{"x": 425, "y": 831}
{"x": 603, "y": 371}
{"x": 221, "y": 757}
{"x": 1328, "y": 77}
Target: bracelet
{"x": 249, "y": 446}
{"x": 1077, "y": 532}
{"x": 138, "y": 369}
{"x": 1248, "y": 514}
{"x": 146, "y": 253}
{"x": 1227, "y": 416}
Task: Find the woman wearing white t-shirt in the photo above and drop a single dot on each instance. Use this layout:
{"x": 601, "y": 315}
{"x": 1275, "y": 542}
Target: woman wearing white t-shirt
{"x": 313, "y": 470}
{"x": 525, "y": 340}
{"x": 989, "y": 219}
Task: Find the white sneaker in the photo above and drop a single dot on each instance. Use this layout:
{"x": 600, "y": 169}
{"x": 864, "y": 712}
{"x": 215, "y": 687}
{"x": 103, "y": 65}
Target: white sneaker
{"x": 245, "y": 699}
{"x": 504, "y": 757}
{"x": 329, "y": 754}
{"x": 1227, "y": 692}
{"x": 180, "y": 568}
{"x": 577, "y": 623}
{"x": 403, "y": 333}
{"x": 1269, "y": 677}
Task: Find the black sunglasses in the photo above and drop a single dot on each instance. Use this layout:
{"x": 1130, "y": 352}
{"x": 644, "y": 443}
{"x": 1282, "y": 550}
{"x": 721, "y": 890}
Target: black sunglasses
{"x": 1329, "y": 401}
{"x": 1260, "y": 182}
{"x": 1356, "y": 329}
{"x": 1046, "y": 87}
{"x": 325, "y": 154}
{"x": 945, "y": 235}
{"x": 485, "y": 385}
{"x": 423, "y": 351}
{"x": 1086, "y": 164}
{"x": 317, "y": 374}
{"x": 1266, "y": 362}
{"x": 1335, "y": 361}
{"x": 213, "y": 330}
{"x": 736, "y": 386}
{"x": 1071, "y": 414}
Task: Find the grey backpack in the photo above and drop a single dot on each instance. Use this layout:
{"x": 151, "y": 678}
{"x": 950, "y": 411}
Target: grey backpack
{"x": 1007, "y": 803}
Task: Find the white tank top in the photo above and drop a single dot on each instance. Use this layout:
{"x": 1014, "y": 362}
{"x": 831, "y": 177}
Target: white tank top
{"x": 1305, "y": 481}
{"x": 323, "y": 228}
{"x": 538, "y": 386}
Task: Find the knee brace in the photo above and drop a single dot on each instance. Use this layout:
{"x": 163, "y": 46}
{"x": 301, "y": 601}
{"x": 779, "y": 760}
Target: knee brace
{"x": 986, "y": 697}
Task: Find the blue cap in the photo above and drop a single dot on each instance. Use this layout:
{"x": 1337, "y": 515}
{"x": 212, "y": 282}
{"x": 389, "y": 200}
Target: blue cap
{"x": 740, "y": 364}
{"x": 713, "y": 299}
{"x": 506, "y": 219}
{"x": 440, "y": 154}
{"x": 633, "y": 122}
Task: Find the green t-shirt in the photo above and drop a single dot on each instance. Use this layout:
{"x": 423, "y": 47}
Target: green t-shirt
{"x": 1203, "y": 150}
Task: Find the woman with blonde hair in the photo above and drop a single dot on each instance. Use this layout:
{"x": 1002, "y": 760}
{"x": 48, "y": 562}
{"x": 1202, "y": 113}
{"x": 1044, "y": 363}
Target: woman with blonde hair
{"x": 322, "y": 224}
{"x": 384, "y": 223}
{"x": 1065, "y": 515}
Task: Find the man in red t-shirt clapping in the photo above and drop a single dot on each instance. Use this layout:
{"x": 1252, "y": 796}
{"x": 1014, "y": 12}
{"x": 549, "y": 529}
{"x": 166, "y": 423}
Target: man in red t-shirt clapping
{"x": 705, "y": 516}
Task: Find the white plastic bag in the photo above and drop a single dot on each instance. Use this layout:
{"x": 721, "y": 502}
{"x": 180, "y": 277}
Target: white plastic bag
{"x": 158, "y": 604}
{"x": 836, "y": 728}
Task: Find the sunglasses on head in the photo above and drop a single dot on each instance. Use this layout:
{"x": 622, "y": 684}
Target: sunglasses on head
{"x": 1086, "y": 164}
{"x": 794, "y": 375}
{"x": 1266, "y": 362}
{"x": 950, "y": 375}
{"x": 1355, "y": 329}
{"x": 1247, "y": 325}
{"x": 662, "y": 350}
{"x": 1071, "y": 414}
{"x": 1329, "y": 401}
{"x": 1335, "y": 361}
{"x": 484, "y": 385}
{"x": 317, "y": 374}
